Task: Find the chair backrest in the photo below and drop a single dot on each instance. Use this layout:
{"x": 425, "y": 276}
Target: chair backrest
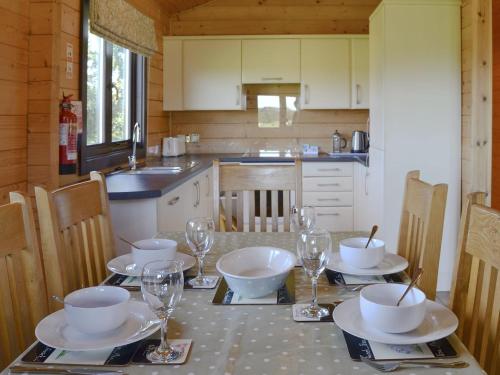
{"x": 475, "y": 294}
{"x": 256, "y": 182}
{"x": 421, "y": 229}
{"x": 23, "y": 301}
{"x": 76, "y": 235}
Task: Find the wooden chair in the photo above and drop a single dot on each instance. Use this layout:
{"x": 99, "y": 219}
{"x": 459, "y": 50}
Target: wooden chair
{"x": 421, "y": 229}
{"x": 23, "y": 302}
{"x": 76, "y": 234}
{"x": 254, "y": 182}
{"x": 475, "y": 294}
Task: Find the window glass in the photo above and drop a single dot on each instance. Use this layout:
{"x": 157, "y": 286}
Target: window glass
{"x": 95, "y": 90}
{"x": 120, "y": 94}
{"x": 276, "y": 111}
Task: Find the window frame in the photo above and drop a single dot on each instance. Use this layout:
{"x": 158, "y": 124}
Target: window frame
{"x": 111, "y": 154}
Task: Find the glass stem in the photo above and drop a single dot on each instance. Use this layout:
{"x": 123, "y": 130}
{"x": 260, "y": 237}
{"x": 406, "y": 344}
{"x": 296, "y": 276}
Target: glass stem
{"x": 200, "y": 267}
{"x": 314, "y": 302}
{"x": 164, "y": 347}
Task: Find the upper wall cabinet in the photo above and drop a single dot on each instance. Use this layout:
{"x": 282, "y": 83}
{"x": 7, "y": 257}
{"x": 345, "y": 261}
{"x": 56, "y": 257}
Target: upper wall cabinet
{"x": 271, "y": 61}
{"x": 325, "y": 70}
{"x": 212, "y": 74}
{"x": 360, "y": 73}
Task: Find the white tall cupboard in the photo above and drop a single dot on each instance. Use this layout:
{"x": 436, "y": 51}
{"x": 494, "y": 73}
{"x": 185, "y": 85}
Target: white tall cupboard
{"x": 415, "y": 109}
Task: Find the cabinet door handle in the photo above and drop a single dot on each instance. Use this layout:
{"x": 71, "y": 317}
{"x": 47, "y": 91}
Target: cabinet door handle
{"x": 327, "y": 199}
{"x": 334, "y": 184}
{"x": 330, "y": 170}
{"x": 307, "y": 94}
{"x": 198, "y": 193}
{"x": 358, "y": 91}
{"x": 208, "y": 186}
{"x": 238, "y": 95}
{"x": 272, "y": 78}
{"x": 173, "y": 201}
{"x": 332, "y": 214}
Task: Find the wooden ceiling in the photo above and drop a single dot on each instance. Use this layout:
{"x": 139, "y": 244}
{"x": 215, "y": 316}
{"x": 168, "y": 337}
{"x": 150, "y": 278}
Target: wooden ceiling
{"x": 176, "y": 6}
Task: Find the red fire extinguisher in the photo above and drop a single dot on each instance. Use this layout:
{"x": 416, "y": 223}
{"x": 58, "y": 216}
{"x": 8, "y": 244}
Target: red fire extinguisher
{"x": 68, "y": 132}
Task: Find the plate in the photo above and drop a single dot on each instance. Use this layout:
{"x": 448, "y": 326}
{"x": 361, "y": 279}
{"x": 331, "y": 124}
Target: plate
{"x": 124, "y": 264}
{"x": 54, "y": 331}
{"x": 392, "y": 263}
{"x": 439, "y": 322}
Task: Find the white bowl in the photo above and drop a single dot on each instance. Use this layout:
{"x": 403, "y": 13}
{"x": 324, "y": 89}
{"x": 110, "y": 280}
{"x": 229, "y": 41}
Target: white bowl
{"x": 354, "y": 253}
{"x": 97, "y": 309}
{"x": 378, "y": 307}
{"x": 153, "y": 249}
{"x": 254, "y": 272}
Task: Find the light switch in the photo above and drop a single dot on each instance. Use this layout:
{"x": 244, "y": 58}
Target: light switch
{"x": 69, "y": 52}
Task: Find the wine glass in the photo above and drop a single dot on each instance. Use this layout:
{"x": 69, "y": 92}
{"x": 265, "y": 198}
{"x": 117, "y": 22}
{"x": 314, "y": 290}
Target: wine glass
{"x": 314, "y": 247}
{"x": 200, "y": 238}
{"x": 162, "y": 283}
{"x": 303, "y": 218}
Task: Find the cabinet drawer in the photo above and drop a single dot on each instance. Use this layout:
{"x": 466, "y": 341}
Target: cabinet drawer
{"x": 327, "y": 184}
{"x": 334, "y": 219}
{"x": 326, "y": 169}
{"x": 328, "y": 198}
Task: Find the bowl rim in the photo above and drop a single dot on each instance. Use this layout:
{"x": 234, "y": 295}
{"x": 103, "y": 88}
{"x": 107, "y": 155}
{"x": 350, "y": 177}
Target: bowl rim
{"x": 109, "y": 287}
{"x": 252, "y": 248}
{"x": 373, "y": 286}
{"x": 374, "y": 240}
{"x": 168, "y": 244}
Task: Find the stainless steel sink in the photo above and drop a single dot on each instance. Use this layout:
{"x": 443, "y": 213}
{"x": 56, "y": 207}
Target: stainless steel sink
{"x": 164, "y": 169}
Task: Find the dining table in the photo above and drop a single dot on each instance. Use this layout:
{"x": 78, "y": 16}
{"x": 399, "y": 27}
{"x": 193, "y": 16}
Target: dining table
{"x": 265, "y": 339}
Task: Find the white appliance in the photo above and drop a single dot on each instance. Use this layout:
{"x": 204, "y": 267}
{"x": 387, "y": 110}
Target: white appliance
{"x": 415, "y": 109}
{"x": 174, "y": 146}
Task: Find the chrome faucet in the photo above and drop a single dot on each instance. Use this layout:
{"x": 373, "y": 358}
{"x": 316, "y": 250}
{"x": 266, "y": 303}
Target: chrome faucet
{"x": 132, "y": 159}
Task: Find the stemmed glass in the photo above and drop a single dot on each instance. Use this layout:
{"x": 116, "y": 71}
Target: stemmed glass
{"x": 162, "y": 283}
{"x": 200, "y": 238}
{"x": 303, "y": 218}
{"x": 314, "y": 247}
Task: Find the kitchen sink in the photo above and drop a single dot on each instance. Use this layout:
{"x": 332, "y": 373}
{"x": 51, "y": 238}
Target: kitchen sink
{"x": 164, "y": 169}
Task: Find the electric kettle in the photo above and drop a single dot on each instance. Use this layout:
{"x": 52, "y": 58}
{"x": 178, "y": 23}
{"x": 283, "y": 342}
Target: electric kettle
{"x": 359, "y": 143}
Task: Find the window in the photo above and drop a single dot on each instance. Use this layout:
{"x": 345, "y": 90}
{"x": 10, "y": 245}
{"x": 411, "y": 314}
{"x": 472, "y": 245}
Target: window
{"x": 114, "y": 98}
{"x": 275, "y": 111}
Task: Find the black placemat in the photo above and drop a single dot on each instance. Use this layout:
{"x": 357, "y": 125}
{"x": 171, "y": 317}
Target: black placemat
{"x": 337, "y": 278}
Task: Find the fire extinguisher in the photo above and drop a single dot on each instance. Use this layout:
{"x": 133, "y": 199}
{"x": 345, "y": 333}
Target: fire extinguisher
{"x": 68, "y": 133}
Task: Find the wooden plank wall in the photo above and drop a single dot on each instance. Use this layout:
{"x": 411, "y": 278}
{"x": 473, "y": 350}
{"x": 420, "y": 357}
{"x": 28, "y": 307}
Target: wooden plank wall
{"x": 495, "y": 196}
{"x": 14, "y": 45}
{"x": 236, "y": 131}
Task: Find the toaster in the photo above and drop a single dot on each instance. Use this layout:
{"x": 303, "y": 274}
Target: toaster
{"x": 174, "y": 146}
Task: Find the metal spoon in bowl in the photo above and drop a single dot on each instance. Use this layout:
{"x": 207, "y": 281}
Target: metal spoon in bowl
{"x": 412, "y": 284}
{"x": 130, "y": 243}
{"x": 60, "y": 300}
{"x": 374, "y": 230}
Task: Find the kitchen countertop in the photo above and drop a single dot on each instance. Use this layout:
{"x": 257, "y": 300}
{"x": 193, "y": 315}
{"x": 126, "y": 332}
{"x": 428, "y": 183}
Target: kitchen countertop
{"x": 122, "y": 186}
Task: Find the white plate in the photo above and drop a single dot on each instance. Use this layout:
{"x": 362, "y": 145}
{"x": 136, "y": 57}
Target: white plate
{"x": 124, "y": 264}
{"x": 439, "y": 322}
{"x": 55, "y": 332}
{"x": 392, "y": 263}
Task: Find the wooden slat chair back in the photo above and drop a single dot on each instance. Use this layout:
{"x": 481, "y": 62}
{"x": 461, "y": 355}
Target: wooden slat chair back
{"x": 245, "y": 180}
{"x": 475, "y": 294}
{"x": 421, "y": 229}
{"x": 23, "y": 301}
{"x": 76, "y": 235}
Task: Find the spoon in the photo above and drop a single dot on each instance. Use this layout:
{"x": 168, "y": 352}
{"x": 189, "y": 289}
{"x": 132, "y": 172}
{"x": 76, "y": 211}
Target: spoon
{"x": 374, "y": 230}
{"x": 130, "y": 243}
{"x": 60, "y": 300}
{"x": 412, "y": 284}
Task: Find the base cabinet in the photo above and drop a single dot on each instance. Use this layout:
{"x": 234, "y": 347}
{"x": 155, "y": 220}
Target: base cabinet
{"x": 143, "y": 218}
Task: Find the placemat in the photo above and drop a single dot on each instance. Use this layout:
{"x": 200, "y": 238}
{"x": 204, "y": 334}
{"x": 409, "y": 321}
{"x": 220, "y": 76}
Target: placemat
{"x": 182, "y": 345}
{"x": 337, "y": 278}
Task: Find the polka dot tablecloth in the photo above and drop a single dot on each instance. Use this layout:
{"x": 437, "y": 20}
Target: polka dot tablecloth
{"x": 264, "y": 340}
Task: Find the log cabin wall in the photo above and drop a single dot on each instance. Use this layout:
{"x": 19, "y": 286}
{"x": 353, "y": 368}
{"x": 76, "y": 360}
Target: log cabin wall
{"x": 495, "y": 198}
{"x": 237, "y": 131}
{"x": 14, "y": 45}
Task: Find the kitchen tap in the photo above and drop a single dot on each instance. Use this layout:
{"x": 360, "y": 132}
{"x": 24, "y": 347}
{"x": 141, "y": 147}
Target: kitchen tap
{"x": 132, "y": 159}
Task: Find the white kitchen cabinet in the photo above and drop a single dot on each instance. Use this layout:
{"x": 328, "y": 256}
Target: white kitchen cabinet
{"x": 367, "y": 190}
{"x": 271, "y": 61}
{"x": 360, "y": 76}
{"x": 172, "y": 75}
{"x": 325, "y": 73}
{"x": 212, "y": 75}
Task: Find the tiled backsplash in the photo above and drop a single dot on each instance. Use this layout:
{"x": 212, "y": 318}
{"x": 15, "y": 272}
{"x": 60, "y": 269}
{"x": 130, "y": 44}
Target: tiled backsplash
{"x": 239, "y": 131}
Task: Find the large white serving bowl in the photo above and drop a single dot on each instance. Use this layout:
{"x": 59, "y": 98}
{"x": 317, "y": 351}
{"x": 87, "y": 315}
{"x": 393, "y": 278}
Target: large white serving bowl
{"x": 354, "y": 253}
{"x": 98, "y": 309}
{"x": 254, "y": 272}
{"x": 153, "y": 249}
{"x": 378, "y": 307}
